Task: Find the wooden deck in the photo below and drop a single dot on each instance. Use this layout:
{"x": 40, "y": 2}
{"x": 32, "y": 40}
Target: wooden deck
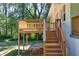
{"x": 33, "y": 26}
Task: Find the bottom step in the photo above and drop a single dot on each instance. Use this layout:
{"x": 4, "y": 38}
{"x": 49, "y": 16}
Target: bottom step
{"x": 53, "y": 54}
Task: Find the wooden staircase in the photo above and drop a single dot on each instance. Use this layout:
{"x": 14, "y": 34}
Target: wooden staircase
{"x": 54, "y": 41}
{"x": 52, "y": 46}
{"x": 55, "y": 44}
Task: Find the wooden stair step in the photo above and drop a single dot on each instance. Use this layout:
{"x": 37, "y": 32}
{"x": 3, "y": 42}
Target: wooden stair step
{"x": 51, "y": 41}
{"x": 54, "y": 32}
{"x": 50, "y": 38}
{"x": 52, "y": 46}
{"x": 54, "y": 54}
{"x": 50, "y": 31}
{"x": 50, "y": 35}
{"x": 53, "y": 51}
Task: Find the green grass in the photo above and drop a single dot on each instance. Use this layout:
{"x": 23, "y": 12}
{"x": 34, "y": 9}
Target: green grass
{"x": 9, "y": 44}
{"x": 24, "y": 53}
{"x": 3, "y": 48}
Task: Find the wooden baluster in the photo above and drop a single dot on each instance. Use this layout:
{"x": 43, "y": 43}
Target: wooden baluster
{"x": 35, "y": 26}
{"x": 53, "y": 26}
{"x": 65, "y": 48}
{"x": 58, "y": 35}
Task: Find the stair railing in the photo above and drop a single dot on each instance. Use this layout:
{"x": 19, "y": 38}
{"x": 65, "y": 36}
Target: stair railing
{"x": 60, "y": 36}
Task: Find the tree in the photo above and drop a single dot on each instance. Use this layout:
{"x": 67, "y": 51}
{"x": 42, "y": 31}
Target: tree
{"x": 11, "y": 12}
{"x": 5, "y": 15}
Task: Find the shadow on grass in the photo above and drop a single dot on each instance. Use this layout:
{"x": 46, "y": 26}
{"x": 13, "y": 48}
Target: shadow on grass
{"x": 4, "y": 48}
{"x": 25, "y": 53}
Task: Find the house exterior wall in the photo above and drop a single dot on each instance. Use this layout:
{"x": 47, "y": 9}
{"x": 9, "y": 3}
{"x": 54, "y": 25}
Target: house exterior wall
{"x": 66, "y": 25}
{"x": 74, "y": 9}
{"x": 72, "y": 43}
{"x": 75, "y": 12}
{"x": 55, "y": 12}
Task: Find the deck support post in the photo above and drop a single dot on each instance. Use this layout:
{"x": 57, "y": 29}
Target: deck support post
{"x": 23, "y": 42}
{"x": 37, "y": 34}
{"x": 26, "y": 40}
{"x": 18, "y": 43}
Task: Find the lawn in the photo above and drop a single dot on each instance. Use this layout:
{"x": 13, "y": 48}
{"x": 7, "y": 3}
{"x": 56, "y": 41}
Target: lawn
{"x": 13, "y": 44}
{"x": 25, "y": 53}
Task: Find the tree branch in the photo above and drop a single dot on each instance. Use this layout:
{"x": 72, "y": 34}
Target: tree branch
{"x": 29, "y": 12}
{"x": 42, "y": 7}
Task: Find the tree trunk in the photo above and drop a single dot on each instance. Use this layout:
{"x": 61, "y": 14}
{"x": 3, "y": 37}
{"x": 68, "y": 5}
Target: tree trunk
{"x": 35, "y": 8}
{"x": 5, "y": 15}
{"x": 35, "y": 16}
{"x": 11, "y": 30}
{"x": 23, "y": 6}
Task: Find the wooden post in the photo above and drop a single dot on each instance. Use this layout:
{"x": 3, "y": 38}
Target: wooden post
{"x": 26, "y": 40}
{"x": 23, "y": 42}
{"x": 18, "y": 43}
{"x": 59, "y": 22}
{"x": 56, "y": 28}
{"x": 44, "y": 36}
{"x": 44, "y": 31}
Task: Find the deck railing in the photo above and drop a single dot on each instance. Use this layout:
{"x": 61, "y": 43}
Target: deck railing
{"x": 30, "y": 25}
{"x": 35, "y": 25}
{"x": 50, "y": 25}
{"x": 60, "y": 37}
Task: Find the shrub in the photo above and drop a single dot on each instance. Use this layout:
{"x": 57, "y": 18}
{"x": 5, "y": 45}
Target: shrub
{"x": 5, "y": 37}
{"x": 40, "y": 37}
{"x": 31, "y": 36}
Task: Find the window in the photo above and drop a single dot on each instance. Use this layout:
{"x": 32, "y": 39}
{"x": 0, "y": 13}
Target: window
{"x": 64, "y": 13}
{"x": 75, "y": 25}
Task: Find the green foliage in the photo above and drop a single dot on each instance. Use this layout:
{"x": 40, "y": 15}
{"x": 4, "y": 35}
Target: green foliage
{"x": 11, "y": 12}
{"x": 31, "y": 37}
{"x": 5, "y": 37}
{"x": 40, "y": 37}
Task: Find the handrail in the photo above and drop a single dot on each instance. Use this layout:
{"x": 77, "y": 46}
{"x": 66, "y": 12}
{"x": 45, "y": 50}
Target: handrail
{"x": 62, "y": 34}
{"x": 61, "y": 38}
